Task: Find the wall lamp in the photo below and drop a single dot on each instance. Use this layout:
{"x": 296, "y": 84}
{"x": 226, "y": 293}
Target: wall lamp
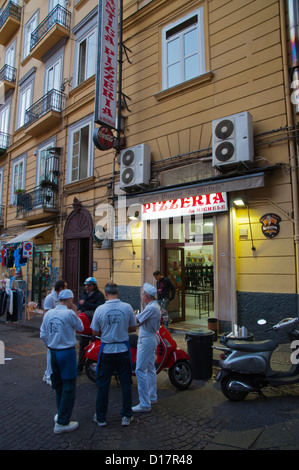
{"x": 136, "y": 216}
{"x": 239, "y": 202}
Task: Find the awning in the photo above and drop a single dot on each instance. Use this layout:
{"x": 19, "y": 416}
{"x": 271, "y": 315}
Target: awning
{"x": 28, "y": 235}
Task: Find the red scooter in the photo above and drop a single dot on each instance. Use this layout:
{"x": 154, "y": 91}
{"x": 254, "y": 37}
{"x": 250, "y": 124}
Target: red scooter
{"x": 168, "y": 356}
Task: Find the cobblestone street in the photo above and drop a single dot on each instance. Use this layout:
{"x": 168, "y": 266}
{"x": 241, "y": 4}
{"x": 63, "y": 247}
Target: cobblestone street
{"x": 198, "y": 418}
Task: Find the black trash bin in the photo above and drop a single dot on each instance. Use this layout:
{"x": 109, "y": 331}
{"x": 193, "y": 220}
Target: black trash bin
{"x": 199, "y": 346}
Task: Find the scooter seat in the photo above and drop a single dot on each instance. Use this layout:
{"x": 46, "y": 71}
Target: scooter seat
{"x": 252, "y": 346}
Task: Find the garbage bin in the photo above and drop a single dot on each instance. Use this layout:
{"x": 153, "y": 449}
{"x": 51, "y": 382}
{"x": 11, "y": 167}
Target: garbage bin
{"x": 199, "y": 346}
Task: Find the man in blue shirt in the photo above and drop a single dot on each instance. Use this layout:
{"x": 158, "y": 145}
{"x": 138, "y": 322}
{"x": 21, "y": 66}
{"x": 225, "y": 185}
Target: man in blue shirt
{"x": 113, "y": 321}
{"x": 58, "y": 332}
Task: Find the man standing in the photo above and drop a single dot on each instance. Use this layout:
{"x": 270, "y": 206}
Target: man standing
{"x": 90, "y": 299}
{"x": 58, "y": 332}
{"x": 51, "y": 301}
{"x": 149, "y": 321}
{"x": 166, "y": 292}
{"x": 113, "y": 322}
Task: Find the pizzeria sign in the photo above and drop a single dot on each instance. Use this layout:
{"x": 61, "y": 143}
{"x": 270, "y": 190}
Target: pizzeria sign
{"x": 202, "y": 204}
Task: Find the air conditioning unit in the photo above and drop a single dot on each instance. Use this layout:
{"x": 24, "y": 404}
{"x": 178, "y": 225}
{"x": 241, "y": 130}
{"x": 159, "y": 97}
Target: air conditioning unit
{"x": 135, "y": 165}
{"x": 232, "y": 141}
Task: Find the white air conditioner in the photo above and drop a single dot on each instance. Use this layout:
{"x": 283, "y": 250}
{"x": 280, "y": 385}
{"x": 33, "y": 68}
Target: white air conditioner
{"x": 232, "y": 138}
{"x": 135, "y": 165}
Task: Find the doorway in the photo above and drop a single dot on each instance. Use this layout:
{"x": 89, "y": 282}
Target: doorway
{"x": 41, "y": 280}
{"x": 190, "y": 267}
{"x": 77, "y": 249}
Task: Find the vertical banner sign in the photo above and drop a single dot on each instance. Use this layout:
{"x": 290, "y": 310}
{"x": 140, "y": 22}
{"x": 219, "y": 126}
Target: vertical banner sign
{"x": 106, "y": 79}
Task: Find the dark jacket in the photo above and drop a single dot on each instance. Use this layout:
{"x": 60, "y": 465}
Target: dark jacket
{"x": 92, "y": 301}
{"x": 166, "y": 289}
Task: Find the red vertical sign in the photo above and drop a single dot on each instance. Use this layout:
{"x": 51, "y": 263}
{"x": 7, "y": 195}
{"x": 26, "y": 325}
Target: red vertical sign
{"x": 106, "y": 83}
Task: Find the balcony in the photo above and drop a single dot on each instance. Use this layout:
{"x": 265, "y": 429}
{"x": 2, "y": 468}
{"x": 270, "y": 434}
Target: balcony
{"x": 44, "y": 113}
{"x": 38, "y": 204}
{"x": 4, "y": 142}
{"x": 55, "y": 26}
{"x": 10, "y": 20}
{"x": 8, "y": 77}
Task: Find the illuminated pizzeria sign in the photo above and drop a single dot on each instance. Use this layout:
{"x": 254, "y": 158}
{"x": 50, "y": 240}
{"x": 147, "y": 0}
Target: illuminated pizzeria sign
{"x": 106, "y": 79}
{"x": 205, "y": 204}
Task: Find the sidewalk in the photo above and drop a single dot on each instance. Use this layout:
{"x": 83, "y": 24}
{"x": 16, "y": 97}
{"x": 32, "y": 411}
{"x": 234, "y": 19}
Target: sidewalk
{"x": 281, "y": 355}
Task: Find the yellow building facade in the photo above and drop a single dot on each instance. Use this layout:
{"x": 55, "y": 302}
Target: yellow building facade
{"x": 209, "y": 116}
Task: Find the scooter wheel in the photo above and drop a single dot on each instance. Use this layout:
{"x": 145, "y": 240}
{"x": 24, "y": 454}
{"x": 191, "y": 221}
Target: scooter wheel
{"x": 180, "y": 374}
{"x": 232, "y": 395}
{"x": 90, "y": 370}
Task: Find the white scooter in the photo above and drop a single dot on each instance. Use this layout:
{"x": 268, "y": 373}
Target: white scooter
{"x": 245, "y": 366}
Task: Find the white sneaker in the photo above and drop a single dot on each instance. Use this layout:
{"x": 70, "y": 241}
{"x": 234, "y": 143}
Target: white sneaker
{"x": 126, "y": 421}
{"x": 140, "y": 409}
{"x": 99, "y": 423}
{"x": 59, "y": 428}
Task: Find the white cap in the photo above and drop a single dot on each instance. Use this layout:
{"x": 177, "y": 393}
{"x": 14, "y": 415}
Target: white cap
{"x": 65, "y": 294}
{"x": 149, "y": 289}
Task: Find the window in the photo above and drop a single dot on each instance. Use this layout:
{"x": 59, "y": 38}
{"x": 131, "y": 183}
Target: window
{"x": 85, "y": 48}
{"x": 25, "y": 102}
{"x": 87, "y": 55}
{"x": 4, "y": 126}
{"x": 1, "y": 193}
{"x": 43, "y": 159}
{"x": 18, "y": 177}
{"x": 80, "y": 151}
{"x": 183, "y": 50}
{"x": 30, "y": 26}
{"x": 25, "y": 96}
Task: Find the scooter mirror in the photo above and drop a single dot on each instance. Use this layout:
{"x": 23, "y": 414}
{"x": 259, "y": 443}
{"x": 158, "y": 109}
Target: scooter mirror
{"x": 262, "y": 321}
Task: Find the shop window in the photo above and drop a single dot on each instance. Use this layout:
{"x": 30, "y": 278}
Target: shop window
{"x": 183, "y": 50}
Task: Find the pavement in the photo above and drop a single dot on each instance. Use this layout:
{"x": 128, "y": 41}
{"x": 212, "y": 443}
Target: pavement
{"x": 180, "y": 424}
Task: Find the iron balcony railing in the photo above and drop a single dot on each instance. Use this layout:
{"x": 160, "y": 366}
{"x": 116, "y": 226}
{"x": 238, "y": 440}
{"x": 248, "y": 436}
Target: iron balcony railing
{"x": 4, "y": 141}
{"x": 39, "y": 198}
{"x": 53, "y": 101}
{"x": 11, "y": 10}
{"x": 8, "y": 73}
{"x": 58, "y": 15}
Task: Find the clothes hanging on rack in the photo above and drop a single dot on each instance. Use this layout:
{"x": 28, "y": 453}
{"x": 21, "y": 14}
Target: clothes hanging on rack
{"x": 15, "y": 304}
{"x": 3, "y": 301}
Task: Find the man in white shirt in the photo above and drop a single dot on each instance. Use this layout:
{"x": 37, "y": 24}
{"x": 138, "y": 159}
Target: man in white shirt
{"x": 58, "y": 332}
{"x": 149, "y": 321}
{"x": 51, "y": 301}
{"x": 113, "y": 321}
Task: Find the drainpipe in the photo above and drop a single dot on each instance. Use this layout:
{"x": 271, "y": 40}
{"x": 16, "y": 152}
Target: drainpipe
{"x": 290, "y": 123}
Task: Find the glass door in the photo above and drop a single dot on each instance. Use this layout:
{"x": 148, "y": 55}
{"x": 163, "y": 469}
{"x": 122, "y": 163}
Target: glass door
{"x": 174, "y": 270}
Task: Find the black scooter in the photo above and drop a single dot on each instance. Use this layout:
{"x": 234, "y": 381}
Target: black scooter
{"x": 245, "y": 366}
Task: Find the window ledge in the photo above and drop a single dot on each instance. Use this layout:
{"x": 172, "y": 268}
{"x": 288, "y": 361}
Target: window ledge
{"x": 205, "y": 77}
{"x": 80, "y": 184}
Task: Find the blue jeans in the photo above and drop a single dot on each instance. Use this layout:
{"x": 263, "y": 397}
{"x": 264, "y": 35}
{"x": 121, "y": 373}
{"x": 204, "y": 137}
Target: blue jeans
{"x": 65, "y": 392}
{"x": 120, "y": 364}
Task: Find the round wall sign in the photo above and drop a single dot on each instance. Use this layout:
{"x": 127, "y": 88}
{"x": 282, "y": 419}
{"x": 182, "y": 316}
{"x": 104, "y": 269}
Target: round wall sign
{"x": 103, "y": 138}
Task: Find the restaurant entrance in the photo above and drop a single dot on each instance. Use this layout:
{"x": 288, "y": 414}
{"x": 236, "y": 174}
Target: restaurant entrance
{"x": 190, "y": 267}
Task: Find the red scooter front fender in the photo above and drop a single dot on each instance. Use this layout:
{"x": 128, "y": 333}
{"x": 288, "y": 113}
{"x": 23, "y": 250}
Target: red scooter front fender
{"x": 177, "y": 355}
{"x": 92, "y": 350}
